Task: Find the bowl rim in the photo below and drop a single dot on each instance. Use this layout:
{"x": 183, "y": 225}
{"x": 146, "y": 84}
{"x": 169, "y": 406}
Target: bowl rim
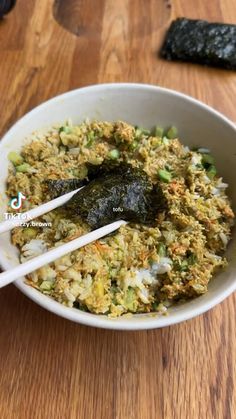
{"x": 151, "y": 320}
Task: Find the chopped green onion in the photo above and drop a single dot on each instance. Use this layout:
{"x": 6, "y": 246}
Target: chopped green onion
{"x": 77, "y": 173}
{"x": 192, "y": 259}
{"x": 141, "y": 131}
{"x": 114, "y": 288}
{"x": 138, "y": 132}
{"x": 65, "y": 129}
{"x": 130, "y": 299}
{"x": 200, "y": 289}
{"x": 46, "y": 286}
{"x": 155, "y": 306}
{"x": 199, "y": 166}
{"x": 134, "y": 145}
{"x": 158, "y": 132}
{"x": 15, "y": 158}
{"x": 162, "y": 250}
{"x": 156, "y": 142}
{"x": 114, "y": 154}
{"x": 164, "y": 175}
{"x": 91, "y": 139}
{"x": 165, "y": 141}
{"x": 207, "y": 160}
{"x": 95, "y": 160}
{"x": 172, "y": 133}
{"x": 211, "y": 171}
{"x": 22, "y": 168}
{"x": 184, "y": 266}
{"x": 80, "y": 172}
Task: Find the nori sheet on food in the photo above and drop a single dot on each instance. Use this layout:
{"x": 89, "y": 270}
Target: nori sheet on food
{"x": 125, "y": 193}
{"x": 60, "y": 187}
{"x": 198, "y": 41}
{"x": 105, "y": 167}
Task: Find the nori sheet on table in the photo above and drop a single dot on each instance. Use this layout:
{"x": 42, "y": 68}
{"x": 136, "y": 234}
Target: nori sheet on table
{"x": 198, "y": 41}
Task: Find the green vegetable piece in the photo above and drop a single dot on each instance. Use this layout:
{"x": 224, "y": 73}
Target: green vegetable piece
{"x": 192, "y": 259}
{"x": 130, "y": 299}
{"x": 114, "y": 290}
{"x": 46, "y": 286}
{"x": 158, "y": 131}
{"x": 91, "y": 139}
{"x": 199, "y": 166}
{"x": 162, "y": 250}
{"x": 146, "y": 131}
{"x": 207, "y": 160}
{"x": 138, "y": 132}
{"x": 184, "y": 265}
{"x": 15, "y": 158}
{"x": 65, "y": 129}
{"x": 172, "y": 133}
{"x": 155, "y": 306}
{"x": 23, "y": 168}
{"x": 142, "y": 131}
{"x": 164, "y": 175}
{"x": 165, "y": 140}
{"x": 80, "y": 172}
{"x": 211, "y": 171}
{"x": 134, "y": 145}
{"x": 114, "y": 154}
{"x": 199, "y": 289}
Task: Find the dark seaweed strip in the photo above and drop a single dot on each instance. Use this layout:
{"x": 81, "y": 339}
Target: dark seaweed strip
{"x": 199, "y": 41}
{"x": 106, "y": 167}
{"x": 60, "y": 187}
{"x": 114, "y": 196}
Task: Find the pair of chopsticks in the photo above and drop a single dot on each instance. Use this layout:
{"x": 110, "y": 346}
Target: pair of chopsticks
{"x": 50, "y": 256}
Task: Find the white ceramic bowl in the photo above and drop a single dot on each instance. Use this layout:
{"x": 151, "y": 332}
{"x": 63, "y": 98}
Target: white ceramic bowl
{"x": 146, "y": 106}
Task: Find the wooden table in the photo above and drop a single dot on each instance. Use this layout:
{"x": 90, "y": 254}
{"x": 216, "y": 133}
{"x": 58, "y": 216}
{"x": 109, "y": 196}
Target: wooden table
{"x": 51, "y": 368}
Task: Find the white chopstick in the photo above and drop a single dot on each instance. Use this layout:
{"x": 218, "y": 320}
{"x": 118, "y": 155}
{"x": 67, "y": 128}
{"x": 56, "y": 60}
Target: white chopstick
{"x": 31, "y": 265}
{"x": 36, "y": 212}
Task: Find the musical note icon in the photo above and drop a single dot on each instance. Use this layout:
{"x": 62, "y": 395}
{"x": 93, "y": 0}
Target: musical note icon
{"x": 16, "y": 202}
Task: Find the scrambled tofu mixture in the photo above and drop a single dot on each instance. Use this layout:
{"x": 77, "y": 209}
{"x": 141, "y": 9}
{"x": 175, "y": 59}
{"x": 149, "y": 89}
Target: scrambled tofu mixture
{"x": 140, "y": 268}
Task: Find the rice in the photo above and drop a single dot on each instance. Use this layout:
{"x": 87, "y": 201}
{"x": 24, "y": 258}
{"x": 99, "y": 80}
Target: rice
{"x": 140, "y": 268}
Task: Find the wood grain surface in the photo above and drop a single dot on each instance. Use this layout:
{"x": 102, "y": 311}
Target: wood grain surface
{"x": 50, "y": 367}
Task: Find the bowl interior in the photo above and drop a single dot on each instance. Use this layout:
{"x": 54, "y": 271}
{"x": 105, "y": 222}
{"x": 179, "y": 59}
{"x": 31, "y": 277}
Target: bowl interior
{"x": 146, "y": 106}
